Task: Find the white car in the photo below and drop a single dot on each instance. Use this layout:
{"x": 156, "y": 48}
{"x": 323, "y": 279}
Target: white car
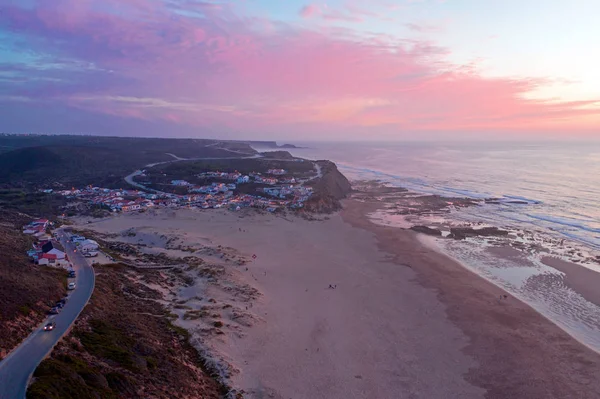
{"x": 71, "y": 286}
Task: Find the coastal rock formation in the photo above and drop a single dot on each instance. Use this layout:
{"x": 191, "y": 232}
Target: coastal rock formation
{"x": 460, "y": 233}
{"x": 427, "y": 230}
{"x": 329, "y": 189}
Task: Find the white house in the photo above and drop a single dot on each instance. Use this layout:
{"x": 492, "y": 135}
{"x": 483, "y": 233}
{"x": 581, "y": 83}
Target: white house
{"x": 57, "y": 252}
{"x": 179, "y": 183}
{"x": 88, "y": 246}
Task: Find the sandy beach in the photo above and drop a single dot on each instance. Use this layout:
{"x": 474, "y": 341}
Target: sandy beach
{"x": 401, "y": 321}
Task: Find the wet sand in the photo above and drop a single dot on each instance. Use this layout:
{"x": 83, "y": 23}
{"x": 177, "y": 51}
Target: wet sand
{"x": 579, "y": 278}
{"x": 520, "y": 353}
{"x": 404, "y": 321}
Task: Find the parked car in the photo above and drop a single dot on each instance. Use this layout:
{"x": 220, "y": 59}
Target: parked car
{"x": 71, "y": 286}
{"x": 50, "y": 326}
{"x": 72, "y": 275}
{"x": 54, "y": 310}
{"x": 59, "y": 305}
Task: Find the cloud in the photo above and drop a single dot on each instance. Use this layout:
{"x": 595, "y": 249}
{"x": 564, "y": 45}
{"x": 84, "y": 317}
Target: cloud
{"x": 423, "y": 28}
{"x": 310, "y": 10}
{"x": 217, "y": 69}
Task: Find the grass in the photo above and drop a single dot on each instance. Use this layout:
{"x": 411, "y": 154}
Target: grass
{"x": 32, "y": 202}
{"x": 110, "y": 343}
{"x": 182, "y": 332}
{"x": 25, "y": 310}
{"x": 195, "y": 314}
{"x": 77, "y": 380}
{"x": 26, "y": 289}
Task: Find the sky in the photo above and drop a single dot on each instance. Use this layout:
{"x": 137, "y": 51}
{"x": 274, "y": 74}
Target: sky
{"x": 301, "y": 70}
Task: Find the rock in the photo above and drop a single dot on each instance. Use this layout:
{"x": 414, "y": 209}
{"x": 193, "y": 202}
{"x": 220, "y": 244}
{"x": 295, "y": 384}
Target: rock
{"x": 329, "y": 189}
{"x": 460, "y": 233}
{"x": 427, "y": 230}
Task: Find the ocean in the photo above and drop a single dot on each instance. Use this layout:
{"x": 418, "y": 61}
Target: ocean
{"x": 547, "y": 194}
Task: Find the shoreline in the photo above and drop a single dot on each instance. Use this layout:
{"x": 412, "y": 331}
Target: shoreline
{"x": 521, "y": 353}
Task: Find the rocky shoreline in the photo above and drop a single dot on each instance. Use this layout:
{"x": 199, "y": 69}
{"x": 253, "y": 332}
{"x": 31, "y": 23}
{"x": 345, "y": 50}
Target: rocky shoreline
{"x": 437, "y": 216}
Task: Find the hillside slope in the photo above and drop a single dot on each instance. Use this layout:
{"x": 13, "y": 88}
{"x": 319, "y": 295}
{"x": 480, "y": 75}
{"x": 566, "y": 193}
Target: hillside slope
{"x": 26, "y": 290}
{"x": 123, "y": 345}
{"x": 329, "y": 189}
{"x": 99, "y": 161}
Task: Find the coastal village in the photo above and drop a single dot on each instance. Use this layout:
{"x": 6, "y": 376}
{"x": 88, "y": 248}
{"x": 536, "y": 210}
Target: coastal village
{"x": 46, "y": 250}
{"x": 275, "y": 191}
{"x": 280, "y": 192}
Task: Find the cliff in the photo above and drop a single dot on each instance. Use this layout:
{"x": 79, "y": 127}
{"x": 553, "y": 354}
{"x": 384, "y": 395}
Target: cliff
{"x": 329, "y": 189}
{"x": 269, "y": 144}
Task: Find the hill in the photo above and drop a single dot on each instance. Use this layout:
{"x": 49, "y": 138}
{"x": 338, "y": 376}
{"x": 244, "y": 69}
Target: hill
{"x": 27, "y": 289}
{"x": 329, "y": 189}
{"x": 65, "y": 161}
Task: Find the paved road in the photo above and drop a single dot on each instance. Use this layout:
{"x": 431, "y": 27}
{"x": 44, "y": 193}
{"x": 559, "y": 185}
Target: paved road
{"x": 129, "y": 178}
{"x": 17, "y": 367}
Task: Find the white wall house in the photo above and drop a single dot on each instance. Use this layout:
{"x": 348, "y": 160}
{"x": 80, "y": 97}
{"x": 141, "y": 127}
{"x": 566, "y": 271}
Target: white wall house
{"x": 88, "y": 246}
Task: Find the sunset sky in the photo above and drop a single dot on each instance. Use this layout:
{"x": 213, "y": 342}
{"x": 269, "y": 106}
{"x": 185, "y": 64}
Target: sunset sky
{"x": 288, "y": 69}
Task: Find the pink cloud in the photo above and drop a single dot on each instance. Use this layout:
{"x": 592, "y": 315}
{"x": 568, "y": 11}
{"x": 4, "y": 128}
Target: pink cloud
{"x": 336, "y": 15}
{"x": 423, "y": 27}
{"x": 310, "y": 10}
{"x": 225, "y": 71}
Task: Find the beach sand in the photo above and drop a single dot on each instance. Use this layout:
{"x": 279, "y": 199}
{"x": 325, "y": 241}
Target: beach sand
{"x": 403, "y": 320}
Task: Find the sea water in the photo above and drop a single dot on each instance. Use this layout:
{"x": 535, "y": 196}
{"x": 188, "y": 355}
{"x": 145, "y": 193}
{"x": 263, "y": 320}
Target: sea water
{"x": 546, "y": 193}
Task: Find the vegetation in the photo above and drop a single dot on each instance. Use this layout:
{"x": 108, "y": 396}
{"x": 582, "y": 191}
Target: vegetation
{"x": 108, "y": 342}
{"x": 160, "y": 176}
{"x": 65, "y": 161}
{"x": 123, "y": 345}
{"x": 32, "y": 203}
{"x": 27, "y": 289}
{"x": 78, "y": 380}
{"x": 245, "y": 166}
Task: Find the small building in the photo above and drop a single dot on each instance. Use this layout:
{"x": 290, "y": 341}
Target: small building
{"x": 58, "y": 254}
{"x": 88, "y": 246}
{"x": 180, "y": 183}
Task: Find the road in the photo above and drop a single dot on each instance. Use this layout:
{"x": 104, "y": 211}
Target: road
{"x": 129, "y": 178}
{"x": 19, "y": 365}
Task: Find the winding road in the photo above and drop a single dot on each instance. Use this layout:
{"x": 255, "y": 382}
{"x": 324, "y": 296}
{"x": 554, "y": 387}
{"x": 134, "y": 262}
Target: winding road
{"x": 16, "y": 369}
{"x": 129, "y": 178}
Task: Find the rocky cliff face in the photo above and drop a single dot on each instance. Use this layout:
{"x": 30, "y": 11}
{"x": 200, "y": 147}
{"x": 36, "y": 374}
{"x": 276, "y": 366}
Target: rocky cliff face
{"x": 329, "y": 189}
